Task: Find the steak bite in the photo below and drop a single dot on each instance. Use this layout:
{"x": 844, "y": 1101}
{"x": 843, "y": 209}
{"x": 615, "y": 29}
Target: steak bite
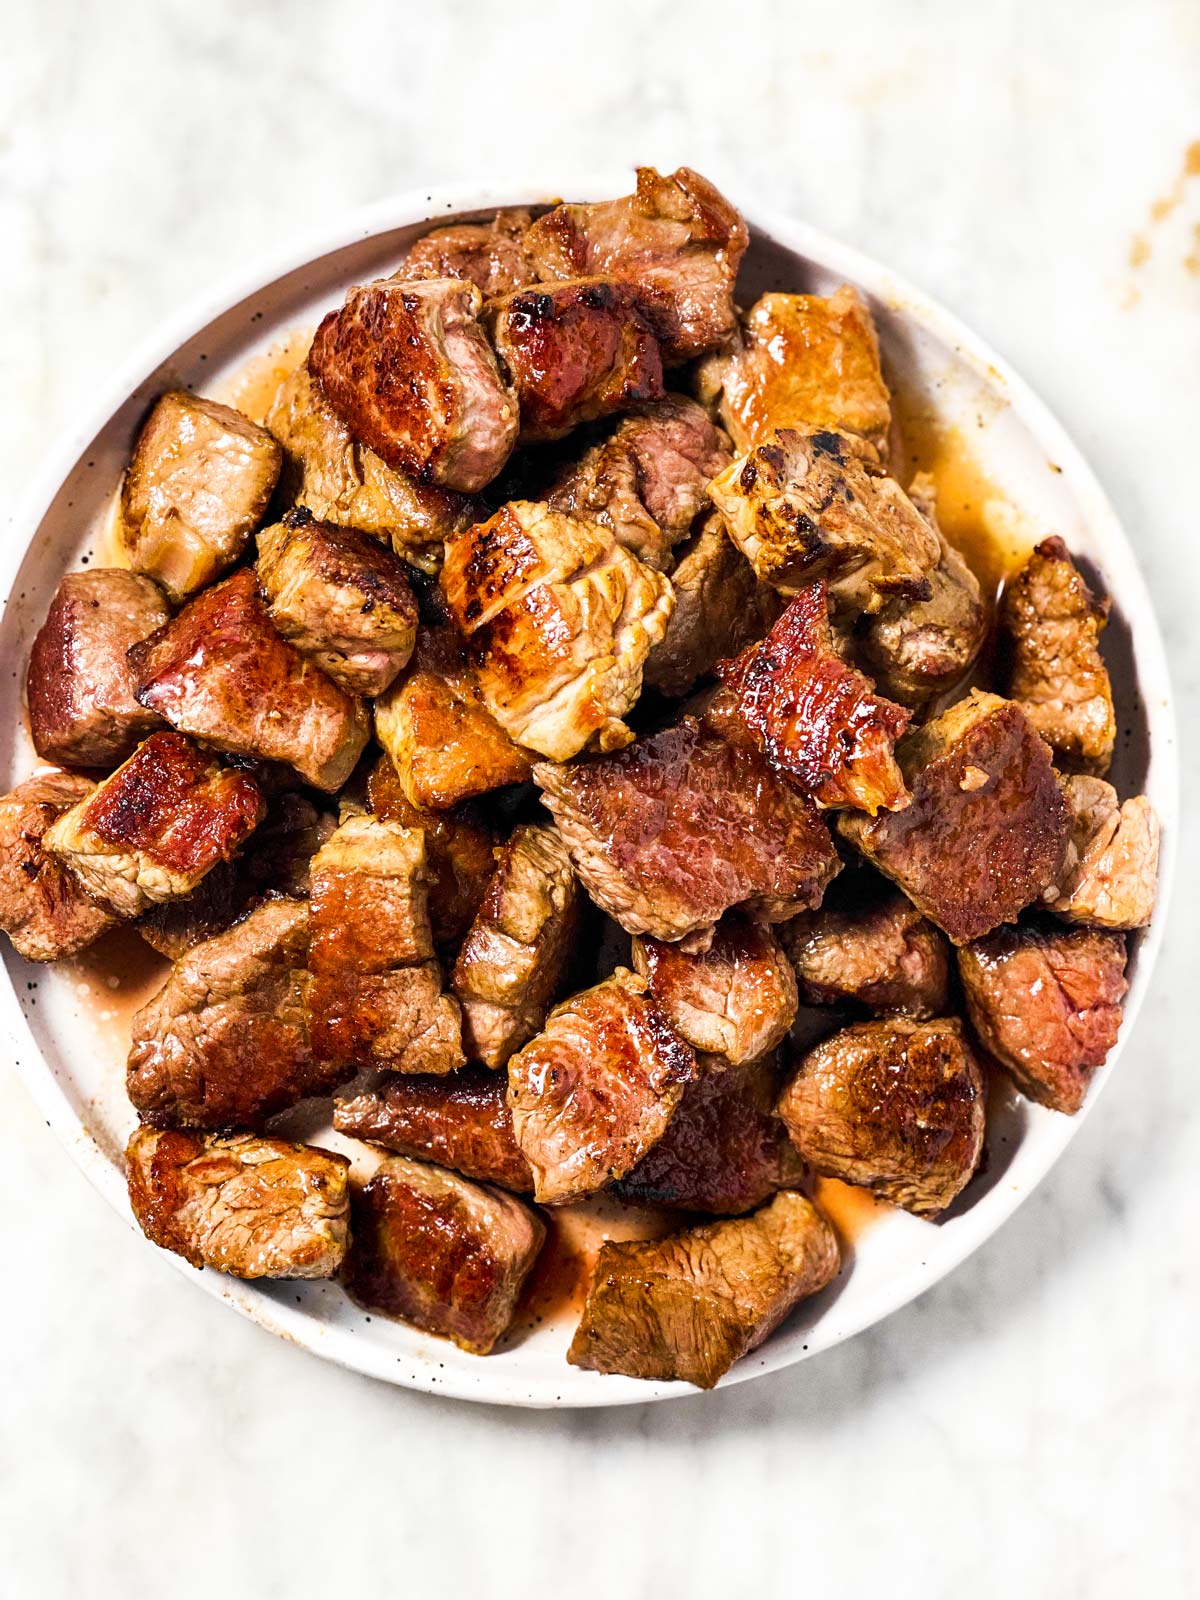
{"x": 817, "y": 719}
{"x": 725, "y": 1151}
{"x": 225, "y": 1042}
{"x": 735, "y": 1000}
{"x": 1110, "y": 877}
{"x": 245, "y": 1205}
{"x": 461, "y": 1121}
{"x": 895, "y": 1105}
{"x": 44, "y": 908}
{"x": 79, "y": 687}
{"x": 573, "y": 352}
{"x": 804, "y": 505}
{"x": 1058, "y": 675}
{"x": 1047, "y": 1004}
{"x": 596, "y": 1088}
{"x": 395, "y": 1021}
{"x": 408, "y": 368}
{"x": 448, "y": 1255}
{"x": 220, "y": 671}
{"x": 690, "y": 1305}
{"x": 885, "y": 955}
{"x": 491, "y": 255}
{"x": 341, "y": 598}
{"x": 153, "y": 829}
{"x": 198, "y": 485}
{"x": 670, "y": 834}
{"x": 560, "y": 618}
{"x": 986, "y": 832}
{"x": 802, "y": 361}
{"x": 677, "y": 239}
{"x": 520, "y": 946}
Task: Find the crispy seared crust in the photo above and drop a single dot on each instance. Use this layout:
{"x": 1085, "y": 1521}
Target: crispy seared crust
{"x": 491, "y": 255}
{"x": 369, "y": 908}
{"x": 248, "y": 1206}
{"x": 885, "y": 956}
{"x": 1110, "y": 877}
{"x": 396, "y": 1021}
{"x": 44, "y": 908}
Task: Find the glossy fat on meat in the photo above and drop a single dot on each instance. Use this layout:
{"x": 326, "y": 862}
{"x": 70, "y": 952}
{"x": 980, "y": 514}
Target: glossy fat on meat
{"x": 1110, "y": 877}
{"x": 884, "y": 955}
{"x": 44, "y": 908}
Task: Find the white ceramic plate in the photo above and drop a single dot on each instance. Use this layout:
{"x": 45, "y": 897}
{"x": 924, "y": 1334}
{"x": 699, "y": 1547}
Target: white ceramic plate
{"x": 67, "y": 1028}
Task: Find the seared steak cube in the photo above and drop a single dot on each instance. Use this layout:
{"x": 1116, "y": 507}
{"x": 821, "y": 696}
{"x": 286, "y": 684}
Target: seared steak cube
{"x": 986, "y": 832}
{"x": 369, "y": 907}
{"x": 245, "y": 1205}
{"x": 461, "y": 1121}
{"x": 690, "y": 1305}
{"x": 80, "y": 690}
{"x": 198, "y": 484}
{"x": 561, "y": 618}
{"x": 883, "y": 955}
{"x": 437, "y": 1251}
{"x": 736, "y": 1000}
{"x": 596, "y": 1088}
{"x": 1047, "y": 1004}
{"x": 1058, "y": 675}
{"x": 517, "y": 952}
{"x": 220, "y": 671}
{"x": 896, "y": 1105}
{"x": 397, "y": 1021}
{"x": 491, "y": 255}
{"x": 341, "y": 598}
{"x": 408, "y": 368}
{"x": 670, "y": 834}
{"x": 44, "y": 908}
{"x": 153, "y": 829}
{"x": 1110, "y": 877}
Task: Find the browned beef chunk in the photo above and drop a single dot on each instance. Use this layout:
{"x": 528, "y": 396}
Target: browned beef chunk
{"x": 1047, "y": 1004}
{"x": 44, "y": 908}
{"x": 987, "y": 828}
{"x": 220, "y": 671}
{"x": 491, "y": 255}
{"x": 884, "y": 955}
{"x": 670, "y": 834}
{"x": 408, "y": 368}
{"x": 369, "y": 904}
{"x": 80, "y": 690}
{"x": 596, "y": 1088}
{"x": 1058, "y": 675}
{"x": 249, "y": 1206}
{"x": 895, "y": 1105}
{"x": 397, "y": 1021}
{"x": 448, "y": 1255}
{"x": 1110, "y": 876}
{"x": 676, "y": 238}
{"x": 690, "y": 1305}
{"x": 725, "y": 1151}
{"x": 460, "y": 1121}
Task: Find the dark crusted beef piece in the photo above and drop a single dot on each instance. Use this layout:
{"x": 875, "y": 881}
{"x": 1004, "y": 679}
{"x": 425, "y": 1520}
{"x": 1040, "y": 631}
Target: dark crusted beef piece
{"x": 884, "y": 955}
{"x": 491, "y": 255}
{"x": 44, "y": 908}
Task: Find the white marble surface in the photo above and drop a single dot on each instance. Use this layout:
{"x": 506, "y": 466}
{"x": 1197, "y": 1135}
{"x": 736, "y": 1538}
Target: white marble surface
{"x": 1027, "y": 1428}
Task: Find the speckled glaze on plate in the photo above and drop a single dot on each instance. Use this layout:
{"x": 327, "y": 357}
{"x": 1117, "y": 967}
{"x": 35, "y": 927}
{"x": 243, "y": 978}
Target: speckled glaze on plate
{"x": 65, "y": 1028}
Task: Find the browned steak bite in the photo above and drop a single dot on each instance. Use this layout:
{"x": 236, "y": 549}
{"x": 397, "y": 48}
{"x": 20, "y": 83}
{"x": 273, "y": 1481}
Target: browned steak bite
{"x": 79, "y": 687}
{"x": 676, "y": 238}
{"x": 690, "y": 1305}
{"x": 157, "y": 825}
{"x": 491, "y": 255}
{"x": 197, "y": 487}
{"x": 725, "y": 1150}
{"x": 1058, "y": 675}
{"x": 461, "y": 1121}
{"x": 443, "y": 741}
{"x": 44, "y": 908}
{"x": 408, "y": 368}
{"x": 804, "y": 505}
{"x": 735, "y": 1000}
{"x": 561, "y": 618}
{"x": 252, "y": 1207}
{"x": 648, "y": 481}
{"x": 884, "y": 955}
{"x": 341, "y": 598}
{"x": 220, "y": 671}
{"x": 817, "y": 719}
{"x": 986, "y": 832}
{"x": 596, "y": 1088}
{"x": 895, "y": 1105}
{"x": 519, "y": 947}
{"x": 574, "y": 352}
{"x": 670, "y": 834}
{"x": 803, "y": 360}
{"x": 1047, "y": 1004}
{"x": 445, "y": 1254}
{"x": 225, "y": 1042}
{"x": 1110, "y": 877}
